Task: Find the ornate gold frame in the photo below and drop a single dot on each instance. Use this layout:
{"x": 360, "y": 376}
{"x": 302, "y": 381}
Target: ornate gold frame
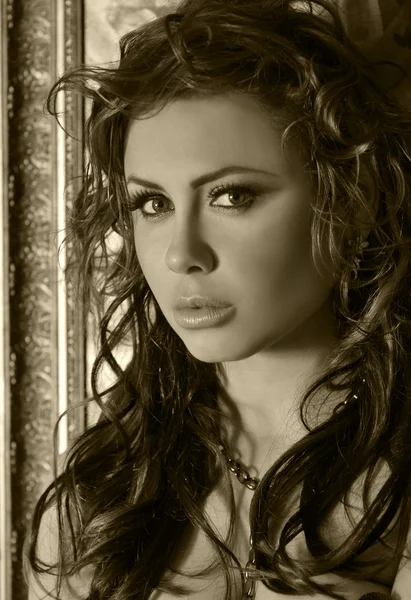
{"x": 5, "y": 488}
{"x": 42, "y": 350}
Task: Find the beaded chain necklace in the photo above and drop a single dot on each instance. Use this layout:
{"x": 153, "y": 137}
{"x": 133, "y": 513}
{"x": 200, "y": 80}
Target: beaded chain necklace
{"x": 250, "y": 584}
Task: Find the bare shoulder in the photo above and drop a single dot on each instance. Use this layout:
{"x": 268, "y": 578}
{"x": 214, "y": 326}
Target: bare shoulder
{"x": 44, "y": 585}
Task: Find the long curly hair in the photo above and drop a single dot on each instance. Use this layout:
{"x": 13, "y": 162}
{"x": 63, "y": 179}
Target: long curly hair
{"x": 126, "y": 494}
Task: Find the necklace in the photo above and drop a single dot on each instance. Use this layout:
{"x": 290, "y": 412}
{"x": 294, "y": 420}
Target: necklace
{"x": 243, "y": 476}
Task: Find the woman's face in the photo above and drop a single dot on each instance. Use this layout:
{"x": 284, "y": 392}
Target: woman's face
{"x": 247, "y": 246}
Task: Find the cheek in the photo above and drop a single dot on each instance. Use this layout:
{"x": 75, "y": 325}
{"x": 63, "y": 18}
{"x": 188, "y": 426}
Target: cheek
{"x": 150, "y": 251}
{"x": 145, "y": 256}
{"x": 281, "y": 243}
{"x": 276, "y": 264}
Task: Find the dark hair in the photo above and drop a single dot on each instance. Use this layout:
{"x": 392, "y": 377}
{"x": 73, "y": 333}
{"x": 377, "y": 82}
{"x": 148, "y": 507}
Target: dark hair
{"x": 126, "y": 494}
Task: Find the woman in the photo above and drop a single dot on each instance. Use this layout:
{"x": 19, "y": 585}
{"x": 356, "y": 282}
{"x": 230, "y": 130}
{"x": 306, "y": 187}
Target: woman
{"x": 260, "y": 181}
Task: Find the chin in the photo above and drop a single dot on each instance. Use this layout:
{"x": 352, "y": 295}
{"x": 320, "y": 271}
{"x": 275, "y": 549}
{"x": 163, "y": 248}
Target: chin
{"x": 208, "y": 356}
{"x": 214, "y": 350}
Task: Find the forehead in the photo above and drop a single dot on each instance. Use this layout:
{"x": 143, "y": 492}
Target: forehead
{"x": 194, "y": 134}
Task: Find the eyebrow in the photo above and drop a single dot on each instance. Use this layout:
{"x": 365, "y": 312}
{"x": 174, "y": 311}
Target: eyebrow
{"x": 203, "y": 179}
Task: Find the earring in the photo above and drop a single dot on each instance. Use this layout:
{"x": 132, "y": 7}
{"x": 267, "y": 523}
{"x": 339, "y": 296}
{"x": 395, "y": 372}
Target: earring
{"x": 359, "y": 244}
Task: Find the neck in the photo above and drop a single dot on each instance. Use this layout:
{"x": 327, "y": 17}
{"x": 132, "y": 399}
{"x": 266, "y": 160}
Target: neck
{"x": 262, "y": 394}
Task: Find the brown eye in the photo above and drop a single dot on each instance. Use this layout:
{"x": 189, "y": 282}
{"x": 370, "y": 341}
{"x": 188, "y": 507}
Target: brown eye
{"x": 233, "y": 198}
{"x": 158, "y": 205}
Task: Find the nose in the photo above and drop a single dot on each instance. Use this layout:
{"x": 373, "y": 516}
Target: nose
{"x": 188, "y": 250}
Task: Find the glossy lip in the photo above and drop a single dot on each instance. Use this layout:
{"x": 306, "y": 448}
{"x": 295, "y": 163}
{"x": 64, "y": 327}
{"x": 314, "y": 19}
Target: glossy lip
{"x": 200, "y": 302}
{"x": 203, "y": 317}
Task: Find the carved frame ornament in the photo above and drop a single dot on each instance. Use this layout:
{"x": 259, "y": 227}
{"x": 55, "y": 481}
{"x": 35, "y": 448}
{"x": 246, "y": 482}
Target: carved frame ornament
{"x": 42, "y": 353}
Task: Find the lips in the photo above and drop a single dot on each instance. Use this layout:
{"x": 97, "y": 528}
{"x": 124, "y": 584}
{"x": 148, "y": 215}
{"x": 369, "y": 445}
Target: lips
{"x": 200, "y": 302}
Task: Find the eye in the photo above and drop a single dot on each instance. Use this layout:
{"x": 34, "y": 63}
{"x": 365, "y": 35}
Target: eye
{"x": 233, "y": 196}
{"x": 158, "y": 205}
{"x": 149, "y": 204}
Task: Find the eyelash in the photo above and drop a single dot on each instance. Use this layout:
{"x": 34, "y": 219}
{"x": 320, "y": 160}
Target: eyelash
{"x": 139, "y": 198}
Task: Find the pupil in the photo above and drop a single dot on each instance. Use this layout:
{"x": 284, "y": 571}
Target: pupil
{"x": 235, "y": 196}
{"x": 159, "y": 204}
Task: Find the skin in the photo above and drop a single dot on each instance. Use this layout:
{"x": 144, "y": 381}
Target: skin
{"x": 259, "y": 260}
